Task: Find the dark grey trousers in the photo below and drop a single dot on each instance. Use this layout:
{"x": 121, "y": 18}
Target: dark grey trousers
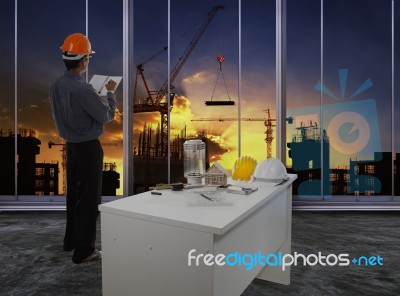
{"x": 84, "y": 177}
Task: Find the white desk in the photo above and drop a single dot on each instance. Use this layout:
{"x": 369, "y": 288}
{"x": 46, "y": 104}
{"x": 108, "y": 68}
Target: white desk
{"x": 146, "y": 240}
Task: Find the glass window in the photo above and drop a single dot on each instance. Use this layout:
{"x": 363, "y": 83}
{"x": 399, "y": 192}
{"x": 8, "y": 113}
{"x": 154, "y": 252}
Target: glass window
{"x": 105, "y": 33}
{"x": 356, "y": 90}
{"x": 38, "y": 67}
{"x": 150, "y": 119}
{"x": 258, "y": 79}
{"x": 339, "y": 105}
{"x": 205, "y": 89}
{"x": 7, "y": 101}
{"x": 340, "y": 139}
{"x": 303, "y": 71}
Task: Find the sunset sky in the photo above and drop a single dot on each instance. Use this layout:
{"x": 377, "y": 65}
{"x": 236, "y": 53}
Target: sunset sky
{"x": 39, "y": 64}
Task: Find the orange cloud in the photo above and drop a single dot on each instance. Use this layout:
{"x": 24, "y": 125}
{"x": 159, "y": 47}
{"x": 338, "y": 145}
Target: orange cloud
{"x": 195, "y": 78}
{"x": 181, "y": 116}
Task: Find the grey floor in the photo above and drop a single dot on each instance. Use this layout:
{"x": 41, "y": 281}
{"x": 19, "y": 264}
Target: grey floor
{"x": 32, "y": 261}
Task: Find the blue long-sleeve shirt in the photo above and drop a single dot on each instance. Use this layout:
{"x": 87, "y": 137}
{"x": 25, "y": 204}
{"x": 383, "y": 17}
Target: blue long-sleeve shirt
{"x": 78, "y": 111}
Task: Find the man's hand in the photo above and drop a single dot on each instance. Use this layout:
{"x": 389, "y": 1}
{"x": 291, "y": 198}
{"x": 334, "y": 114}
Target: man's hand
{"x": 111, "y": 85}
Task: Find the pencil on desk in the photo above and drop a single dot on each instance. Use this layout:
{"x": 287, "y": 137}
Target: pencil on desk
{"x": 205, "y": 196}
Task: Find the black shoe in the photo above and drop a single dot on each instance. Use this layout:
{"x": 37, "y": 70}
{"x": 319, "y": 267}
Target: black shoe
{"x": 94, "y": 256}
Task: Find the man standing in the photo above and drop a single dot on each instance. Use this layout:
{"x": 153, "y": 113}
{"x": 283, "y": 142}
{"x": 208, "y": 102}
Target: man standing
{"x": 80, "y": 114}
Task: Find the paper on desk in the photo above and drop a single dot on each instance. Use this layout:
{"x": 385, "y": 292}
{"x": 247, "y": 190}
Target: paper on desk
{"x": 99, "y": 83}
{"x": 245, "y": 190}
{"x": 207, "y": 199}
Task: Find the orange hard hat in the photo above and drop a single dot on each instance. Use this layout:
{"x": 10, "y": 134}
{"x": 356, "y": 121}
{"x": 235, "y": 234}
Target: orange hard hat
{"x": 76, "y": 44}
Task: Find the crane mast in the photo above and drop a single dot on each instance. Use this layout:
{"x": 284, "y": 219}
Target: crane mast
{"x": 269, "y": 137}
{"x": 154, "y": 99}
{"x": 182, "y": 60}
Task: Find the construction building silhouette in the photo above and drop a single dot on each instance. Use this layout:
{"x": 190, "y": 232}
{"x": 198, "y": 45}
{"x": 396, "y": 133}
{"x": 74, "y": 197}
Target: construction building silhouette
{"x": 360, "y": 177}
{"x": 37, "y": 178}
{"x": 33, "y": 178}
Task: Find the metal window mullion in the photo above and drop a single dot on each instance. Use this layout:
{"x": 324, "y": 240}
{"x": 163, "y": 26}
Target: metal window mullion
{"x": 281, "y": 80}
{"x": 127, "y": 104}
{"x": 169, "y": 93}
{"x": 15, "y": 100}
{"x": 321, "y": 101}
{"x": 239, "y": 79}
{"x": 393, "y": 105}
{"x": 87, "y": 33}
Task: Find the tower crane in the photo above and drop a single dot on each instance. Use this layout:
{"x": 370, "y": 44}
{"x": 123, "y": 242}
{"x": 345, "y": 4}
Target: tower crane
{"x": 64, "y": 161}
{"x": 267, "y": 123}
{"x": 155, "y": 101}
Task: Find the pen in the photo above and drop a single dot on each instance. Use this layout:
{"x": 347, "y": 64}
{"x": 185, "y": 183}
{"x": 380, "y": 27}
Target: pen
{"x": 156, "y": 193}
{"x": 205, "y": 196}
